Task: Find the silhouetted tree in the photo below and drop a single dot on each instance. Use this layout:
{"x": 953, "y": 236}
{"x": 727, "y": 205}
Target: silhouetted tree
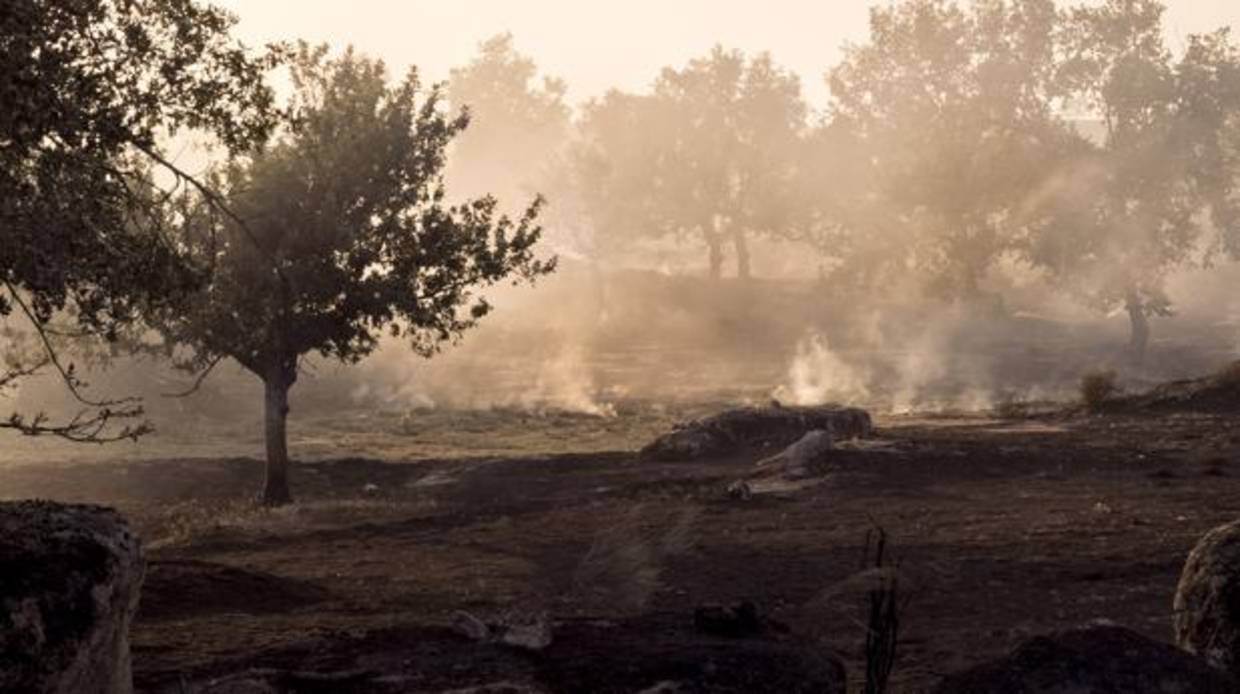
{"x": 86, "y": 89}
{"x": 517, "y": 123}
{"x": 942, "y": 122}
{"x": 1147, "y": 194}
{"x": 353, "y": 239}
{"x": 710, "y": 154}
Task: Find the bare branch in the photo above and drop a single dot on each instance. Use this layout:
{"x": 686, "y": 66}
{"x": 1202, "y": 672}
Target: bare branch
{"x": 202, "y": 376}
{"x": 71, "y": 381}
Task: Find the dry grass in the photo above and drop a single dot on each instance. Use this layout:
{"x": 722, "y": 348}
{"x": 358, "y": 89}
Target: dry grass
{"x": 201, "y": 522}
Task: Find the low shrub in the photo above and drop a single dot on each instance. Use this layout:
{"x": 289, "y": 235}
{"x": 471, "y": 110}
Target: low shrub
{"x": 1098, "y": 388}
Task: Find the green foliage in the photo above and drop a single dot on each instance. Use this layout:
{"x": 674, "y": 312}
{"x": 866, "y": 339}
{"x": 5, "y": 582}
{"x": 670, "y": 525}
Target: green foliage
{"x": 88, "y": 87}
{"x": 1097, "y": 389}
{"x": 339, "y": 234}
{"x": 348, "y": 207}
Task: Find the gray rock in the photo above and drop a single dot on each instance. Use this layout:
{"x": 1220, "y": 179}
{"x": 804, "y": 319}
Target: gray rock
{"x": 1207, "y": 600}
{"x": 69, "y": 583}
{"x": 470, "y": 627}
{"x": 1092, "y": 660}
{"x": 805, "y": 458}
{"x": 531, "y": 632}
{"x": 756, "y": 428}
{"x": 740, "y": 491}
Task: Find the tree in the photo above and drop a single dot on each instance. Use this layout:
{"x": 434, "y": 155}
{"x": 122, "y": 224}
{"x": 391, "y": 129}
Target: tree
{"x": 710, "y": 153}
{"x": 516, "y": 123}
{"x": 946, "y": 115}
{"x": 352, "y": 239}
{"x": 1146, "y": 195}
{"x": 88, "y": 87}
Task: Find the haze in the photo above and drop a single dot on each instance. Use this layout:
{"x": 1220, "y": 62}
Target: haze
{"x": 595, "y": 46}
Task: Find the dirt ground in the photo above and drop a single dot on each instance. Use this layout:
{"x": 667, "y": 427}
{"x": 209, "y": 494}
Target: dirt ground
{"x": 1005, "y": 528}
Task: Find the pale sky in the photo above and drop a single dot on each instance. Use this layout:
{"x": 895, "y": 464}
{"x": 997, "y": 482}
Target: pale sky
{"x": 595, "y": 45}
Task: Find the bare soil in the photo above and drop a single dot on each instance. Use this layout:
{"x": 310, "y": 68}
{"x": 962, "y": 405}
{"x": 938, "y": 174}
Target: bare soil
{"x": 1005, "y": 529}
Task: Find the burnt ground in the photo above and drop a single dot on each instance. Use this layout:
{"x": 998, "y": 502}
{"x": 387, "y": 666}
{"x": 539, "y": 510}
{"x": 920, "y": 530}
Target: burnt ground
{"x": 1005, "y": 528}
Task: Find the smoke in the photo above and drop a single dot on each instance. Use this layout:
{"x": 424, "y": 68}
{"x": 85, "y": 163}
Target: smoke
{"x": 818, "y": 376}
{"x": 560, "y": 380}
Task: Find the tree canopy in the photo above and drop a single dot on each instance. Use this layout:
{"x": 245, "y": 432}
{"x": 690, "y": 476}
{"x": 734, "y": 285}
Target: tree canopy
{"x": 1156, "y": 185}
{"x": 708, "y": 154}
{"x": 952, "y": 110}
{"x": 340, "y": 235}
{"x": 89, "y": 87}
{"x": 517, "y": 122}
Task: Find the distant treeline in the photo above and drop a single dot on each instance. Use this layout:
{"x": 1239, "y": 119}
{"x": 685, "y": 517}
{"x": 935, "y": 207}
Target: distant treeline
{"x": 959, "y": 138}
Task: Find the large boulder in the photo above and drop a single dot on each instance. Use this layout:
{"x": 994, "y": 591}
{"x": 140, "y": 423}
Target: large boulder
{"x": 756, "y": 428}
{"x": 1207, "y": 600}
{"x": 1092, "y": 660}
{"x": 69, "y": 583}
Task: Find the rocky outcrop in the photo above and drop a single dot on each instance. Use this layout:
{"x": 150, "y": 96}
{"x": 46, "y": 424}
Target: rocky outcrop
{"x": 69, "y": 583}
{"x": 1092, "y": 660}
{"x": 1207, "y": 601}
{"x": 756, "y": 428}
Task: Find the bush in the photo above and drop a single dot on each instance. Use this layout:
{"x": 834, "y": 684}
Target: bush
{"x": 1097, "y": 388}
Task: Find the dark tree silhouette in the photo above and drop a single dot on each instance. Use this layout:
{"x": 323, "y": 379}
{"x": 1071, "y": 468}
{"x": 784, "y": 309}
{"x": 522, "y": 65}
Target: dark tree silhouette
{"x": 87, "y": 87}
{"x": 709, "y": 155}
{"x": 352, "y": 239}
{"x": 517, "y": 123}
{"x": 942, "y": 123}
{"x": 1150, "y": 191}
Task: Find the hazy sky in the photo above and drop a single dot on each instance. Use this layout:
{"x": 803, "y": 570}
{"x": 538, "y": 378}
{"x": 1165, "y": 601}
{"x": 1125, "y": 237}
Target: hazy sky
{"x": 597, "y": 44}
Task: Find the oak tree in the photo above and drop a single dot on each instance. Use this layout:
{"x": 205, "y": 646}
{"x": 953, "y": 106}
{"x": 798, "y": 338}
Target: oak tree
{"x": 709, "y": 155}
{"x": 352, "y": 239}
{"x": 1150, "y": 191}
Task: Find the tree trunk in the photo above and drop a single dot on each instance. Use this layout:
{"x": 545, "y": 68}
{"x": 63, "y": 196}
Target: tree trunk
{"x": 716, "y": 257}
{"x": 742, "y": 254}
{"x": 275, "y": 488}
{"x": 1140, "y": 322}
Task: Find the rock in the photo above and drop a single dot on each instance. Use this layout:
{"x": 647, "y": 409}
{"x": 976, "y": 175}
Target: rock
{"x": 69, "y": 583}
{"x": 529, "y": 631}
{"x": 756, "y": 428}
{"x": 740, "y": 491}
{"x": 470, "y": 627}
{"x": 532, "y": 632}
{"x": 802, "y": 459}
{"x": 1092, "y": 660}
{"x": 1207, "y": 600}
